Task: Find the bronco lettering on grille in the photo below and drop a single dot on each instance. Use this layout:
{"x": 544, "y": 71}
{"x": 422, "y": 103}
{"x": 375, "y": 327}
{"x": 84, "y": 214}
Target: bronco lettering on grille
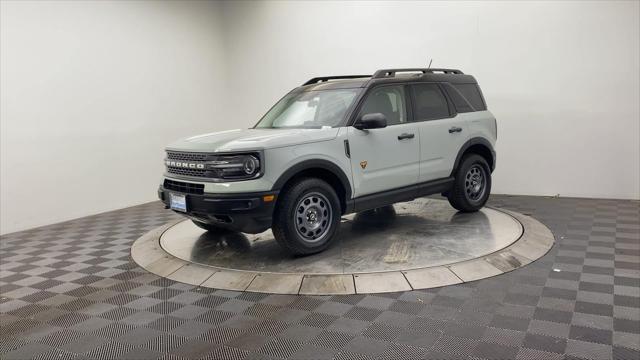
{"x": 185, "y": 165}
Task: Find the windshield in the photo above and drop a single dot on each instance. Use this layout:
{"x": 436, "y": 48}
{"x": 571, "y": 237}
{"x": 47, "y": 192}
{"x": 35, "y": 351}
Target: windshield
{"x": 310, "y": 109}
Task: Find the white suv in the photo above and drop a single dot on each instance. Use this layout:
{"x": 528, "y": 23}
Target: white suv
{"x": 338, "y": 145}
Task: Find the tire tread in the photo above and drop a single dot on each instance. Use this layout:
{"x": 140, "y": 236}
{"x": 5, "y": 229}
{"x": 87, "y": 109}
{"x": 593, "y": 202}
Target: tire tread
{"x": 283, "y": 230}
{"x": 456, "y": 196}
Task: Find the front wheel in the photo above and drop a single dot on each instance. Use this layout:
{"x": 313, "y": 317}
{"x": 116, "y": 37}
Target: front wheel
{"x": 306, "y": 217}
{"x": 472, "y": 184}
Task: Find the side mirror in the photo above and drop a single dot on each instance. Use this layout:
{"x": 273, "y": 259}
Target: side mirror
{"x": 371, "y": 121}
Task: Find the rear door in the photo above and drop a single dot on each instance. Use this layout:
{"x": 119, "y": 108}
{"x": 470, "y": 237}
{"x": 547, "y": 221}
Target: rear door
{"x": 442, "y": 131}
{"x": 387, "y": 158}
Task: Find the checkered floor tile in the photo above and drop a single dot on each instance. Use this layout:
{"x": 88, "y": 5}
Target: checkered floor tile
{"x": 70, "y": 291}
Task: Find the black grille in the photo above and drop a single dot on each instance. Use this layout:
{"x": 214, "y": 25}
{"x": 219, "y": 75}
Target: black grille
{"x": 187, "y": 172}
{"x": 188, "y": 156}
{"x": 183, "y": 187}
{"x": 198, "y": 165}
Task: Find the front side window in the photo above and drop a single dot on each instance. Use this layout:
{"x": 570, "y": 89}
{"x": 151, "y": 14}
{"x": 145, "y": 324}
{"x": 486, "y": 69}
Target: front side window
{"x": 429, "y": 103}
{"x": 310, "y": 109}
{"x": 388, "y": 100}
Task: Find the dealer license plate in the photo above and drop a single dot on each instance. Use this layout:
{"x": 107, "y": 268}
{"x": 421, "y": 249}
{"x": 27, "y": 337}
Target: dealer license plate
{"x": 178, "y": 202}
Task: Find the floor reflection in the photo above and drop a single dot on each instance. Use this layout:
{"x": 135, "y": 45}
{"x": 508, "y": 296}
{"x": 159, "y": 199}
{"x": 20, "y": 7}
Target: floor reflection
{"x": 210, "y": 244}
{"x": 374, "y": 220}
{"x": 419, "y": 233}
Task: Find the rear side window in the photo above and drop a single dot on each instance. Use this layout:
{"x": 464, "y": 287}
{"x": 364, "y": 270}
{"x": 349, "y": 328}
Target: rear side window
{"x": 471, "y": 92}
{"x": 429, "y": 102}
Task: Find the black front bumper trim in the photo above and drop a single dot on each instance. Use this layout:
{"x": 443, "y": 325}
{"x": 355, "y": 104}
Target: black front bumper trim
{"x": 238, "y": 212}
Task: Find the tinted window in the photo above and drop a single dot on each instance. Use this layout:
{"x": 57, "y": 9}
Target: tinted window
{"x": 429, "y": 103}
{"x": 471, "y": 92}
{"x": 461, "y": 104}
{"x": 388, "y": 100}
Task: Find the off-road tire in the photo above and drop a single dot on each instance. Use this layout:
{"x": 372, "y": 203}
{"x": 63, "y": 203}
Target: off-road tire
{"x": 289, "y": 210}
{"x": 209, "y": 227}
{"x": 460, "y": 196}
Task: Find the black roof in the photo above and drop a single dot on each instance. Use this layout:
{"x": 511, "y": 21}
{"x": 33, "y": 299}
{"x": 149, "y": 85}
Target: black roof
{"x": 388, "y": 76}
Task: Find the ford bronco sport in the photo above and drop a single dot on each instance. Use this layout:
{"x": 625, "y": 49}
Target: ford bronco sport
{"x": 334, "y": 146}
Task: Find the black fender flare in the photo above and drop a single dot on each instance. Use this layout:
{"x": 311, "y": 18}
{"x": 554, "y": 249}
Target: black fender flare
{"x": 471, "y": 142}
{"x": 315, "y": 164}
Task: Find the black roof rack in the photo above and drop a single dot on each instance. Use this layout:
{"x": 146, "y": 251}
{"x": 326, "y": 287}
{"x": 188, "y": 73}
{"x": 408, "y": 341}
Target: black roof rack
{"x": 327, "y": 78}
{"x": 392, "y": 72}
{"x": 385, "y": 73}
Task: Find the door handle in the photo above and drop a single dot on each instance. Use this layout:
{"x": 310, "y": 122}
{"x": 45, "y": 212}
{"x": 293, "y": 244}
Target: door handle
{"x": 455, "y": 129}
{"x": 405, "y": 136}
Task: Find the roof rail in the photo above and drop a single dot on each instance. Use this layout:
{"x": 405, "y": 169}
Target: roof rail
{"x": 392, "y": 72}
{"x": 327, "y": 78}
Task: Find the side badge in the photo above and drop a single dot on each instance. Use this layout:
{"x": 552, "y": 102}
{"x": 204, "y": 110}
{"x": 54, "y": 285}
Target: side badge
{"x": 363, "y": 164}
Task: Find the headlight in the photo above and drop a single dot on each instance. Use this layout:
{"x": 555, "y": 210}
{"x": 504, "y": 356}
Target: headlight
{"x": 250, "y": 165}
{"x": 242, "y": 166}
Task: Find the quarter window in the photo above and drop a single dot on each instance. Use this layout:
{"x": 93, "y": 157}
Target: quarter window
{"x": 429, "y": 103}
{"x": 471, "y": 92}
{"x": 461, "y": 104}
{"x": 388, "y": 100}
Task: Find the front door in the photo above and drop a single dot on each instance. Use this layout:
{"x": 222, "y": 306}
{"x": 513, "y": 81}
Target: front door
{"x": 387, "y": 158}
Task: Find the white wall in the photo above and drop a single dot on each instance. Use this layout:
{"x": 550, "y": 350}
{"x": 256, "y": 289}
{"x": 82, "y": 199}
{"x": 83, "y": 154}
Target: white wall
{"x": 562, "y": 78}
{"x": 91, "y": 92}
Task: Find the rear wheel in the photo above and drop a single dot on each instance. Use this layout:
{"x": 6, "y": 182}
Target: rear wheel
{"x": 306, "y": 217}
{"x": 472, "y": 184}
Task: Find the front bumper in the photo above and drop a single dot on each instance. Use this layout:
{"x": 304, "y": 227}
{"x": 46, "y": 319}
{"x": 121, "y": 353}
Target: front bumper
{"x": 248, "y": 212}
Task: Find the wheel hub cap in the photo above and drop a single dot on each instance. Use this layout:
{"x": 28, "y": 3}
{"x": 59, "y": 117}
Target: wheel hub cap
{"x": 313, "y": 217}
{"x": 475, "y": 183}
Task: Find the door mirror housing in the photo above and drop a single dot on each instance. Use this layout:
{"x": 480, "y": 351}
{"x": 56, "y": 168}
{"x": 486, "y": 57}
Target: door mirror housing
{"x": 371, "y": 121}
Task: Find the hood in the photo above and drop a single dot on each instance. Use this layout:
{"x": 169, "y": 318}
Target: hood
{"x": 252, "y": 139}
